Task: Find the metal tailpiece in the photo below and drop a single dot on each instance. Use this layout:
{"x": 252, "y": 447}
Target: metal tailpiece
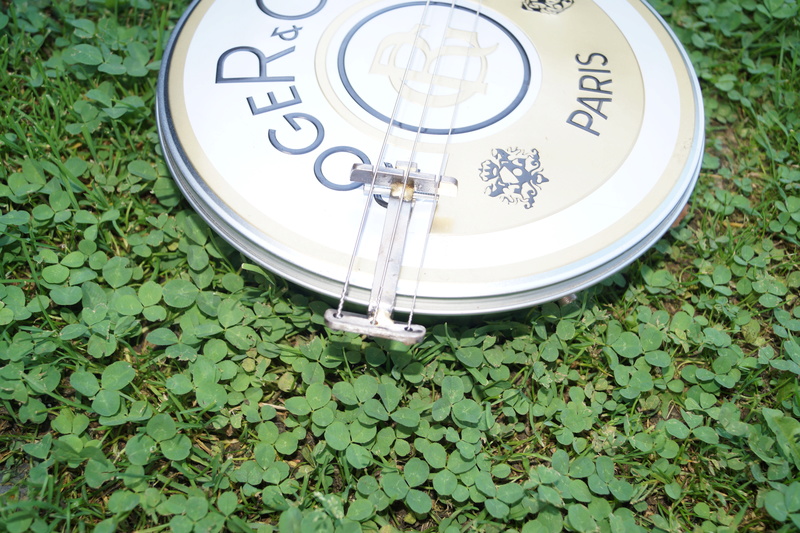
{"x": 404, "y": 187}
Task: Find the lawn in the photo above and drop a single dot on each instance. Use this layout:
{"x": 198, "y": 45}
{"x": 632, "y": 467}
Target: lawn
{"x": 153, "y": 379}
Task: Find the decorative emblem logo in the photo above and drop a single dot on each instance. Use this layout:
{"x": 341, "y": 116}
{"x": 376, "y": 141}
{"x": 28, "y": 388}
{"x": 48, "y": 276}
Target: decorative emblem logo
{"x": 551, "y": 7}
{"x": 435, "y": 56}
{"x": 514, "y": 175}
{"x": 456, "y": 90}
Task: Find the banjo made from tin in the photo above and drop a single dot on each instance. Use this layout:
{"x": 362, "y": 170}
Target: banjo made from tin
{"x": 437, "y": 157}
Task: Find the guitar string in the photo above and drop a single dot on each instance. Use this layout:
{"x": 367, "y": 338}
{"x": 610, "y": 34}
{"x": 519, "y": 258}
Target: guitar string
{"x": 378, "y": 162}
{"x": 441, "y": 173}
{"x": 414, "y": 146}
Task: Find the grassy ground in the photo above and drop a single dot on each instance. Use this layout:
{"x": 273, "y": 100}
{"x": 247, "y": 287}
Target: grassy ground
{"x": 152, "y": 380}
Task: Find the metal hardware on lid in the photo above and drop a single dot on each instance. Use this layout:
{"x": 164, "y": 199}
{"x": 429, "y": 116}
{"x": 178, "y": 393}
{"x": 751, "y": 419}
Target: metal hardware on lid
{"x": 405, "y": 185}
{"x": 387, "y": 329}
{"x": 424, "y": 184}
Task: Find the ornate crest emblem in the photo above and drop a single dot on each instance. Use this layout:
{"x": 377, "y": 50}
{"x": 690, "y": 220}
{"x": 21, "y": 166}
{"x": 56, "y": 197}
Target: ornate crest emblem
{"x": 455, "y": 90}
{"x": 514, "y": 175}
{"x": 551, "y": 7}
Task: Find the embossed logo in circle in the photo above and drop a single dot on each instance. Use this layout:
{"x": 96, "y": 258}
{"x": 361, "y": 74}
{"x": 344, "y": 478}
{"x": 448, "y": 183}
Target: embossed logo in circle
{"x": 514, "y": 176}
{"x": 459, "y": 70}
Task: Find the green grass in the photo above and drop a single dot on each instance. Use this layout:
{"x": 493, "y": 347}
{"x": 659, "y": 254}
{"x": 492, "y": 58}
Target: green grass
{"x": 151, "y": 379}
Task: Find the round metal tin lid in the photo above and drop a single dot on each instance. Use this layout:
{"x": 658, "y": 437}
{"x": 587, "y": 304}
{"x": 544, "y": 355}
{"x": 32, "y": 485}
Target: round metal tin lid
{"x": 575, "y": 132}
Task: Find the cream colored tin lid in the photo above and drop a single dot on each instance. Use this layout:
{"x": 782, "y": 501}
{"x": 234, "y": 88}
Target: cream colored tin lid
{"x": 575, "y": 131}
